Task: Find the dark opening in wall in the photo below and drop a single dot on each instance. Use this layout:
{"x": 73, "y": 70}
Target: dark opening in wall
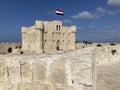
{"x": 56, "y": 27}
{"x": 9, "y": 50}
{"x": 57, "y": 48}
{"x": 19, "y": 47}
{"x": 59, "y": 27}
{"x": 21, "y": 52}
{"x": 113, "y": 52}
{"x": 16, "y": 47}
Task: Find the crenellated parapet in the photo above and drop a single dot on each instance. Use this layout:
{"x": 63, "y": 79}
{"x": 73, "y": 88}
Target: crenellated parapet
{"x": 39, "y": 24}
{"x": 73, "y": 29}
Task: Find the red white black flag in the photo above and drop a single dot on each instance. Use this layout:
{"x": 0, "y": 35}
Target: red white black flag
{"x": 59, "y": 12}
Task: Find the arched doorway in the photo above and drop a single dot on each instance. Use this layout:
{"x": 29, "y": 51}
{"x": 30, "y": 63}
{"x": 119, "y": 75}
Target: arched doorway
{"x": 9, "y": 50}
{"x": 58, "y": 45}
{"x": 57, "y": 48}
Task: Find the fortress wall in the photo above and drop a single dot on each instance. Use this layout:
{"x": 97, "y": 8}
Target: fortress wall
{"x": 104, "y": 55}
{"x": 4, "y": 47}
{"x": 82, "y": 45}
{"x": 70, "y": 71}
{"x": 79, "y": 45}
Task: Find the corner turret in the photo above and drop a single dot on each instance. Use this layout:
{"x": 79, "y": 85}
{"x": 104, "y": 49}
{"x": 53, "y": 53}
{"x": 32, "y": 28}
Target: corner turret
{"x": 73, "y": 29}
{"x": 39, "y": 24}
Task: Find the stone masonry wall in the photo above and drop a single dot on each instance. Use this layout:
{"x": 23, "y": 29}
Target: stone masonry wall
{"x": 104, "y": 55}
{"x": 64, "y": 71}
{"x": 4, "y": 47}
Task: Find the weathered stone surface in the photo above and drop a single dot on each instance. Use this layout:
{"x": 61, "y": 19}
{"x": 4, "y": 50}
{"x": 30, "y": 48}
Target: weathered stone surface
{"x": 108, "y": 77}
{"x": 61, "y": 71}
{"x": 13, "y": 68}
{"x": 47, "y": 87}
{"x": 57, "y": 71}
{"x": 104, "y": 56}
{"x": 26, "y": 69}
{"x": 82, "y": 73}
{"x": 2, "y": 68}
{"x": 4, "y": 47}
{"x": 25, "y": 86}
{"x": 6, "y": 85}
{"x": 39, "y": 70}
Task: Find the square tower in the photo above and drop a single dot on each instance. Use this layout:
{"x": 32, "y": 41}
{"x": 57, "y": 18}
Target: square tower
{"x": 48, "y": 36}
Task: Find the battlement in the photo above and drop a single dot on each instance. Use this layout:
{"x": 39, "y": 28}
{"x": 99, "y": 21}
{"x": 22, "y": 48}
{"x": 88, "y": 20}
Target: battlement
{"x": 73, "y": 29}
{"x": 24, "y": 29}
{"x": 39, "y": 24}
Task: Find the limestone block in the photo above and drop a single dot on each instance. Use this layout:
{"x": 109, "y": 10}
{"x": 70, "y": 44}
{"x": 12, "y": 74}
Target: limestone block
{"x": 39, "y": 72}
{"x": 2, "y": 85}
{"x": 64, "y": 87}
{"x": 36, "y": 86}
{"x": 25, "y": 86}
{"x": 2, "y": 69}
{"x": 26, "y": 69}
{"x": 88, "y": 88}
{"x": 59, "y": 87}
{"x": 57, "y": 72}
{"x": 82, "y": 73}
{"x": 13, "y": 68}
{"x": 47, "y": 87}
{"x": 68, "y": 88}
{"x": 6, "y": 85}
{"x": 13, "y": 87}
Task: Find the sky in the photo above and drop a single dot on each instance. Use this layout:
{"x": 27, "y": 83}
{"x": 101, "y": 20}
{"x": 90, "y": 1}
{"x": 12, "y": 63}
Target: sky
{"x": 96, "y": 20}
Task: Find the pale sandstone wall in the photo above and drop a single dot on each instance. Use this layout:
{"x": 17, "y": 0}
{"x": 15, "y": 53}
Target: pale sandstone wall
{"x": 103, "y": 55}
{"x": 80, "y": 45}
{"x": 32, "y": 39}
{"x": 70, "y": 71}
{"x": 4, "y": 47}
{"x": 51, "y": 35}
{"x": 48, "y": 36}
{"x": 107, "y": 67}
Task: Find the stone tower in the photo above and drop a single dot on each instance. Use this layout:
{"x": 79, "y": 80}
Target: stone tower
{"x": 48, "y": 36}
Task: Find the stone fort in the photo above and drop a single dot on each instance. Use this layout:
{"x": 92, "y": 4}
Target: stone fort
{"x": 48, "y": 36}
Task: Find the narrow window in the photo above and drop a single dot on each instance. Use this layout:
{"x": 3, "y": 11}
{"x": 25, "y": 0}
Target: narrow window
{"x": 57, "y": 48}
{"x": 9, "y": 50}
{"x": 57, "y": 28}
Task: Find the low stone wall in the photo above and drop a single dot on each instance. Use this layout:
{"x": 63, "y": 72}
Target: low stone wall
{"x": 104, "y": 55}
{"x": 79, "y": 45}
{"x": 67, "y": 71}
{"x": 5, "y": 46}
{"x": 107, "y": 67}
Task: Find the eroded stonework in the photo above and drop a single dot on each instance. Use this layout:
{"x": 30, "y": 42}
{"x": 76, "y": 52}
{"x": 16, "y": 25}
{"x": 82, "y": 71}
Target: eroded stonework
{"x": 61, "y": 71}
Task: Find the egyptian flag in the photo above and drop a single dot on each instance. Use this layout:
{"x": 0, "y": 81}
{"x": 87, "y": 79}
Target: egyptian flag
{"x": 59, "y": 12}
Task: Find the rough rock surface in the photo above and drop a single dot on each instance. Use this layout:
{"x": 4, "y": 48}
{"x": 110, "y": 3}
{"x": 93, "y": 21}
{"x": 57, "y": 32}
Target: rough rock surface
{"x": 108, "y": 77}
{"x": 61, "y": 71}
{"x": 107, "y": 68}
